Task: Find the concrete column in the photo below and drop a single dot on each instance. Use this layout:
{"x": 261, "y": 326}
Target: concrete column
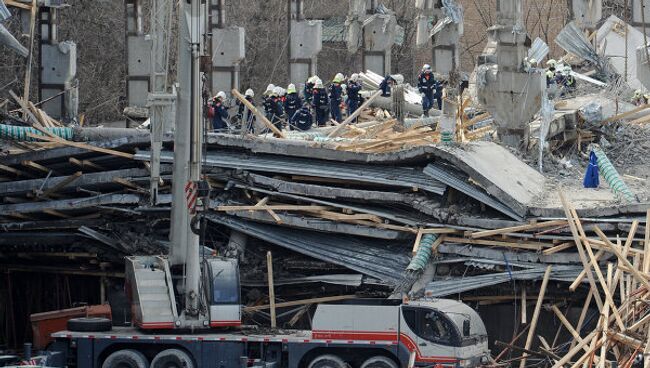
{"x": 58, "y": 69}
{"x": 445, "y": 39}
{"x": 138, "y": 56}
{"x": 228, "y": 50}
{"x": 586, "y": 13}
{"x": 378, "y": 40}
{"x": 641, "y": 11}
{"x": 305, "y": 42}
{"x": 509, "y": 91}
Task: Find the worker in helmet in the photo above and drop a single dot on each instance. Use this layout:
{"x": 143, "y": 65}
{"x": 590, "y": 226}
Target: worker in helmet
{"x": 320, "y": 103}
{"x": 220, "y": 117}
{"x": 302, "y": 119}
{"x": 336, "y": 97}
{"x": 568, "y": 80}
{"x": 354, "y": 96}
{"x": 639, "y": 99}
{"x": 550, "y": 78}
{"x": 550, "y": 65}
{"x": 292, "y": 102}
{"x": 277, "y": 108}
{"x": 427, "y": 87}
{"x": 246, "y": 116}
{"x": 308, "y": 91}
{"x": 267, "y": 103}
{"x": 386, "y": 86}
{"x": 269, "y": 90}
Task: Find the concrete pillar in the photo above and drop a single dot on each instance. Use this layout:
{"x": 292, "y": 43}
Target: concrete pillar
{"x": 508, "y": 90}
{"x": 228, "y": 50}
{"x": 138, "y": 56}
{"x": 305, "y": 42}
{"x": 641, "y": 11}
{"x": 445, "y": 39}
{"x": 378, "y": 39}
{"x": 586, "y": 13}
{"x": 643, "y": 66}
{"x": 58, "y": 69}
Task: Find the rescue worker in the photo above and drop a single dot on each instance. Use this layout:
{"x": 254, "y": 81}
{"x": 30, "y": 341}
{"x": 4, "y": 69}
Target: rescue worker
{"x": 268, "y": 103}
{"x": 551, "y": 63}
{"x": 427, "y": 87}
{"x": 320, "y": 102}
{"x": 302, "y": 119}
{"x": 438, "y": 94}
{"x": 639, "y": 99}
{"x": 387, "y": 85}
{"x": 269, "y": 90}
{"x": 354, "y": 97}
{"x": 292, "y": 101}
{"x": 550, "y": 78}
{"x": 246, "y": 116}
{"x": 277, "y": 108}
{"x": 308, "y": 90}
{"x": 336, "y": 97}
{"x": 220, "y": 118}
{"x": 569, "y": 81}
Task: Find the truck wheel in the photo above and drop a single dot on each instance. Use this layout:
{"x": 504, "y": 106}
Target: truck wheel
{"x": 172, "y": 358}
{"x": 327, "y": 361}
{"x": 126, "y": 359}
{"x": 379, "y": 362}
{"x": 89, "y": 324}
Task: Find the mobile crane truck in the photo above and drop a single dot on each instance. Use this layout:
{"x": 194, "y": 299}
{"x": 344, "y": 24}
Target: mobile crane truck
{"x": 181, "y": 304}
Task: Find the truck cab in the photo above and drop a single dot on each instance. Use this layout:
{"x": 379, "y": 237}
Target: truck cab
{"x": 432, "y": 332}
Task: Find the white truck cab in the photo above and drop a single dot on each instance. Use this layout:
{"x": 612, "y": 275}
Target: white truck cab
{"x": 436, "y": 332}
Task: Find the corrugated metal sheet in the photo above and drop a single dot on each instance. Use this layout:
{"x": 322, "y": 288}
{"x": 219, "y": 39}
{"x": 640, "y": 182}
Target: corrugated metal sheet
{"x": 445, "y": 176}
{"x": 538, "y": 50}
{"x": 458, "y": 285}
{"x": 388, "y": 175}
{"x": 4, "y": 12}
{"x": 382, "y": 260}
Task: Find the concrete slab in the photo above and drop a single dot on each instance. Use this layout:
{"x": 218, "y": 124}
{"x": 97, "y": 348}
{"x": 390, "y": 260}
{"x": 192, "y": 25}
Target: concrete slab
{"x": 611, "y": 39}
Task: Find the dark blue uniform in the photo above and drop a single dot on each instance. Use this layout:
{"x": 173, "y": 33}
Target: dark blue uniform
{"x": 427, "y": 87}
{"x": 354, "y": 98}
{"x": 220, "y": 116}
{"x": 246, "y": 116}
{"x": 302, "y": 119}
{"x": 438, "y": 95}
{"x": 268, "y": 107}
{"x": 385, "y": 87}
{"x": 336, "y": 97}
{"x": 308, "y": 92}
{"x": 320, "y": 101}
{"x": 291, "y": 104}
{"x": 277, "y": 111}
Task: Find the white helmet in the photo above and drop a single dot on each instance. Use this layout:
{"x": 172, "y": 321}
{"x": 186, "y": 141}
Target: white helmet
{"x": 249, "y": 93}
{"x": 426, "y": 67}
{"x": 638, "y": 93}
{"x": 318, "y": 83}
{"x": 291, "y": 88}
{"x": 532, "y": 61}
{"x": 276, "y": 91}
{"x": 338, "y": 78}
{"x": 354, "y": 77}
{"x": 221, "y": 95}
{"x": 551, "y": 62}
{"x": 270, "y": 87}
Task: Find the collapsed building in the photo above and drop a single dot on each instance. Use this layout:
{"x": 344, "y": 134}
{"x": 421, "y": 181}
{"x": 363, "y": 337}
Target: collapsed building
{"x": 483, "y": 202}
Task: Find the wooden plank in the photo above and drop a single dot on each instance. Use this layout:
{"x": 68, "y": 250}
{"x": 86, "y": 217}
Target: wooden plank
{"x": 535, "y": 318}
{"x": 16, "y": 172}
{"x": 634, "y": 271}
{"x": 646, "y": 244}
{"x": 442, "y": 230}
{"x": 475, "y": 120}
{"x": 84, "y": 164}
{"x": 82, "y": 146}
{"x": 354, "y": 115}
{"x": 301, "y": 302}
{"x": 36, "y": 166}
{"x": 524, "y": 304}
{"x": 625, "y": 114}
{"x": 269, "y": 275}
{"x": 416, "y": 244}
{"x": 281, "y": 207}
{"x": 567, "y": 325}
{"x": 257, "y": 113}
{"x": 64, "y": 183}
{"x": 18, "y": 4}
{"x": 55, "y": 213}
{"x": 496, "y": 243}
{"x": 516, "y": 229}
{"x": 30, "y": 49}
{"x": 576, "y": 349}
{"x": 126, "y": 183}
{"x": 558, "y": 248}
{"x": 583, "y": 273}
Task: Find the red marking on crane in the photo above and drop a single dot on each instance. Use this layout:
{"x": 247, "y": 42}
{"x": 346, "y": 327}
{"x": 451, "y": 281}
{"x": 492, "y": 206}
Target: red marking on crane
{"x": 191, "y": 195}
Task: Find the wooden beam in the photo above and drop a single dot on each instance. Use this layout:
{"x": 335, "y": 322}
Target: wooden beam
{"x": 625, "y": 114}
{"x": 82, "y": 146}
{"x": 516, "y": 229}
{"x": 536, "y": 311}
{"x": 558, "y": 248}
{"x": 567, "y": 325}
{"x": 37, "y": 166}
{"x": 497, "y": 243}
{"x": 281, "y": 207}
{"x": 269, "y": 270}
{"x": 64, "y": 183}
{"x": 18, "y": 4}
{"x": 257, "y": 113}
{"x": 354, "y": 115}
{"x": 55, "y": 213}
{"x": 416, "y": 244}
{"x": 301, "y": 302}
{"x": 16, "y": 172}
{"x": 30, "y": 57}
{"x": 85, "y": 164}
{"x": 126, "y": 183}
{"x": 637, "y": 275}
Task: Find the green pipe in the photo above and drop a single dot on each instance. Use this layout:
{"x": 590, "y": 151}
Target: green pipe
{"x": 608, "y": 171}
{"x": 19, "y": 133}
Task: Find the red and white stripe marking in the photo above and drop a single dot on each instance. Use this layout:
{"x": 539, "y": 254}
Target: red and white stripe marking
{"x": 191, "y": 195}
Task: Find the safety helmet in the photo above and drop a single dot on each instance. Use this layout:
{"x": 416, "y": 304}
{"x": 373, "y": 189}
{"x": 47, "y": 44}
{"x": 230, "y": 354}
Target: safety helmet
{"x": 550, "y": 74}
{"x": 221, "y": 95}
{"x": 291, "y": 88}
{"x": 318, "y": 84}
{"x": 269, "y": 89}
{"x": 551, "y": 62}
{"x": 532, "y": 61}
{"x": 282, "y": 91}
{"x": 276, "y": 91}
{"x": 637, "y": 93}
{"x": 338, "y": 78}
{"x": 313, "y": 79}
{"x": 426, "y": 67}
{"x": 249, "y": 93}
{"x": 354, "y": 77}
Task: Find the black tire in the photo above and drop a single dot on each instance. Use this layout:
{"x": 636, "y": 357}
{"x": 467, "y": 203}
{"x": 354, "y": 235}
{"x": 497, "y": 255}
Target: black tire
{"x": 89, "y": 324}
{"x": 379, "y": 362}
{"x": 172, "y": 358}
{"x": 126, "y": 359}
{"x": 328, "y": 361}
